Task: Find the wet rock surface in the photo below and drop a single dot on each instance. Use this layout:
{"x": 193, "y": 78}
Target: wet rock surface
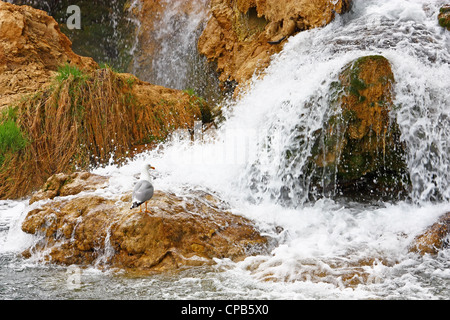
{"x": 88, "y": 228}
{"x": 359, "y": 153}
{"x": 434, "y": 238}
{"x": 444, "y": 16}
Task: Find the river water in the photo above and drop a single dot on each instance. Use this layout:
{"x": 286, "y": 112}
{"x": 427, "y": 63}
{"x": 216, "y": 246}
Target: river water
{"x": 321, "y": 242}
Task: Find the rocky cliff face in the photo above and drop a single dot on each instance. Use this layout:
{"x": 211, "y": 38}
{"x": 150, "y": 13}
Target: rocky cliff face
{"x": 242, "y": 35}
{"x": 31, "y": 49}
{"x": 107, "y": 29}
{"x": 86, "y": 228}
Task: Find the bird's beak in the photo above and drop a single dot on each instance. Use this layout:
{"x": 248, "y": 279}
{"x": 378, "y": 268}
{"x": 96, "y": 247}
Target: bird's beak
{"x": 152, "y": 168}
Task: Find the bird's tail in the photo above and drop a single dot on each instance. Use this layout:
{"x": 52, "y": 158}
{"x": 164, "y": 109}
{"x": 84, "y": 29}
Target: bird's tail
{"x": 136, "y": 204}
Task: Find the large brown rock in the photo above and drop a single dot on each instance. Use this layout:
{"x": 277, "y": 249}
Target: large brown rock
{"x": 238, "y": 33}
{"x": 31, "y": 49}
{"x": 90, "y": 229}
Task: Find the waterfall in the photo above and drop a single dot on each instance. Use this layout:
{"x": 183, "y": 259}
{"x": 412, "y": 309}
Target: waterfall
{"x": 173, "y": 60}
{"x": 159, "y": 48}
{"x": 249, "y": 166}
{"x": 270, "y": 130}
{"x": 291, "y": 111}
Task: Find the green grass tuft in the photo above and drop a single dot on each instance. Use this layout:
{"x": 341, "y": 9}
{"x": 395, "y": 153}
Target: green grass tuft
{"x": 12, "y": 139}
{"x": 66, "y": 70}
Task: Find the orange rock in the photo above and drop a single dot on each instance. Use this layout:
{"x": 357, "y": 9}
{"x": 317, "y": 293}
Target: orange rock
{"x": 434, "y": 238}
{"x": 31, "y": 49}
{"x": 238, "y": 33}
{"x": 62, "y": 184}
{"x": 181, "y": 231}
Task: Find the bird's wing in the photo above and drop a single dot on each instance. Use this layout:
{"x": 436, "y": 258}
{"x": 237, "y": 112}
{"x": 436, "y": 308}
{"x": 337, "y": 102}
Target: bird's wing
{"x": 143, "y": 191}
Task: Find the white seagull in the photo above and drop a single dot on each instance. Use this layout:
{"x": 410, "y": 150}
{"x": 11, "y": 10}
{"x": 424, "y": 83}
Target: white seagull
{"x": 143, "y": 191}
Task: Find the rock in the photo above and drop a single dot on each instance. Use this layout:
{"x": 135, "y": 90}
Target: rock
{"x": 63, "y": 184}
{"x": 106, "y": 33}
{"x": 444, "y": 16}
{"x": 238, "y": 33}
{"x": 435, "y": 238}
{"x": 359, "y": 151}
{"x": 91, "y": 229}
{"x": 31, "y": 49}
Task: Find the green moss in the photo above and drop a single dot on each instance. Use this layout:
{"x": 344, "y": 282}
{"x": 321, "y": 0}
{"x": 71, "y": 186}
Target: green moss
{"x": 444, "y": 9}
{"x": 362, "y": 60}
{"x": 445, "y": 21}
{"x": 356, "y": 85}
{"x": 205, "y": 110}
{"x": 246, "y": 25}
{"x": 12, "y": 139}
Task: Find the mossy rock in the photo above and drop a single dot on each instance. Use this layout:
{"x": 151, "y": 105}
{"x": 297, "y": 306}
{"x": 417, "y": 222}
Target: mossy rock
{"x": 358, "y": 153}
{"x": 444, "y": 17}
{"x": 248, "y": 25}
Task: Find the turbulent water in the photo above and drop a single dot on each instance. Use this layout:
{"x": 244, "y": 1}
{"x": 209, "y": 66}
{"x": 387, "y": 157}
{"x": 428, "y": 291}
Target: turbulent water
{"x": 319, "y": 243}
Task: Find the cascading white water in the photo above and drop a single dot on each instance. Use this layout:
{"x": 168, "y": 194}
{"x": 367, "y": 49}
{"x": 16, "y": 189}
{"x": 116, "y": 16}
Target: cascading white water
{"x": 323, "y": 242}
{"x": 282, "y": 112}
{"x": 177, "y": 33}
{"x": 407, "y": 34}
{"x": 175, "y": 61}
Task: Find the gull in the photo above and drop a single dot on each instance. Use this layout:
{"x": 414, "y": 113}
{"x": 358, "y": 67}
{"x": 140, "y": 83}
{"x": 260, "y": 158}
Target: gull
{"x": 143, "y": 191}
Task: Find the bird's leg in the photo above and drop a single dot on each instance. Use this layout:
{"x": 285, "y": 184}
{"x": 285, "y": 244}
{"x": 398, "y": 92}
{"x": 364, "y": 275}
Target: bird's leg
{"x": 146, "y": 211}
{"x": 140, "y": 209}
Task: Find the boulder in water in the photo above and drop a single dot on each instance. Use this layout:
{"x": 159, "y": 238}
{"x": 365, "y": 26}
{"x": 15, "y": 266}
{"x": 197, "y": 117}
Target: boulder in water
{"x": 359, "y": 153}
{"x": 91, "y": 229}
{"x": 434, "y": 238}
{"x": 63, "y": 184}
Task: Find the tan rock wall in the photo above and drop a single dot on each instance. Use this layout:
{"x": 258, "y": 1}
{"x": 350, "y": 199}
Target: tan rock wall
{"x": 238, "y": 33}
